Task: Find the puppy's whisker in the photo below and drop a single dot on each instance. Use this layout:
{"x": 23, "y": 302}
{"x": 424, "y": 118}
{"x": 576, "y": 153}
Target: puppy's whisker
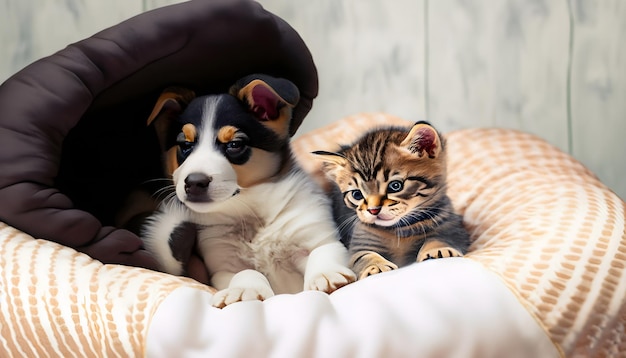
{"x": 164, "y": 193}
{"x": 166, "y": 189}
{"x": 156, "y": 180}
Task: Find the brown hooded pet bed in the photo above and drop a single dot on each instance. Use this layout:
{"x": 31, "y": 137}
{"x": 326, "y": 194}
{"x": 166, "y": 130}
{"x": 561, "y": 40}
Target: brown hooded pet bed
{"x": 544, "y": 275}
{"x": 73, "y": 141}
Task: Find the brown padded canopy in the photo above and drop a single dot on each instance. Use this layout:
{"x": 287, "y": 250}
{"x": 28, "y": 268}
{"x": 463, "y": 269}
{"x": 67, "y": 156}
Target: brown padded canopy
{"x": 73, "y": 136}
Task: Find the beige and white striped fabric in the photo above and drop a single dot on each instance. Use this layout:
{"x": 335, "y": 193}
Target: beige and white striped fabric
{"x": 539, "y": 219}
{"x": 56, "y": 302}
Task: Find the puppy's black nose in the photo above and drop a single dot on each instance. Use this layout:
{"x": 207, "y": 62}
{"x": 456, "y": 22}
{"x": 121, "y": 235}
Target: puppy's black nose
{"x": 197, "y": 183}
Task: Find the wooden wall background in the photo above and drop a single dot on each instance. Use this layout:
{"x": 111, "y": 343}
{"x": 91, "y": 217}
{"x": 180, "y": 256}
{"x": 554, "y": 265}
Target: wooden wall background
{"x": 553, "y": 68}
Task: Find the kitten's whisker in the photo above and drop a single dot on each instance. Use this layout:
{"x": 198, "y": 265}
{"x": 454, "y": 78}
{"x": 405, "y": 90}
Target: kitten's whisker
{"x": 432, "y": 216}
{"x": 348, "y": 223}
{"x": 438, "y": 208}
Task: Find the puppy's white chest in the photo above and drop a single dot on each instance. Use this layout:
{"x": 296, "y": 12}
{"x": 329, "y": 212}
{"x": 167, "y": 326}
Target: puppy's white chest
{"x": 235, "y": 243}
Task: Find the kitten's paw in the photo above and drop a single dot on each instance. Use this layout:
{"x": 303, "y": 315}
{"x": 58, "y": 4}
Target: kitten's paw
{"x": 437, "y": 250}
{"x": 376, "y": 268}
{"x": 231, "y": 295}
{"x": 368, "y": 263}
{"x": 330, "y": 280}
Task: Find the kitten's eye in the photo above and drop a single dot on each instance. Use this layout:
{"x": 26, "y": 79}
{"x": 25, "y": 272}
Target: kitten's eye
{"x": 357, "y": 195}
{"x": 395, "y": 186}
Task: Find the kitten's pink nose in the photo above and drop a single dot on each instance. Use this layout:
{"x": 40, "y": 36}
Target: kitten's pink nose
{"x": 374, "y": 210}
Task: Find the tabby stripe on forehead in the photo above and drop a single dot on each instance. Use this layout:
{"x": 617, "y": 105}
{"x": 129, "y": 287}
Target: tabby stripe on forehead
{"x": 226, "y": 134}
{"x": 369, "y": 160}
{"x": 386, "y": 173}
{"x": 378, "y": 167}
{"x": 364, "y": 170}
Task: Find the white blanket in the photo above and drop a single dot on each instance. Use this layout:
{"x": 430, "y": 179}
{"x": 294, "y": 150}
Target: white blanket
{"x": 438, "y": 308}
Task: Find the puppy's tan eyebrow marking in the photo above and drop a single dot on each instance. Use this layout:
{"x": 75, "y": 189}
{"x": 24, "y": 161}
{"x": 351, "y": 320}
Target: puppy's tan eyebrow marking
{"x": 190, "y": 132}
{"x": 226, "y": 134}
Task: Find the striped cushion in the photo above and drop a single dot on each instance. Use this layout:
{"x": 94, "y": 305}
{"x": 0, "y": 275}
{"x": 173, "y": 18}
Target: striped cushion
{"x": 60, "y": 302}
{"x": 538, "y": 218}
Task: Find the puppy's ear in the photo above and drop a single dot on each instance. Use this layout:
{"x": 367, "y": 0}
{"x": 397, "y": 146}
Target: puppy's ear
{"x": 171, "y": 102}
{"x": 270, "y": 99}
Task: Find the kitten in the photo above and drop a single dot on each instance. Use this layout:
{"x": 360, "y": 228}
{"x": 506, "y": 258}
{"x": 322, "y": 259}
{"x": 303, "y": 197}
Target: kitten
{"x": 394, "y": 179}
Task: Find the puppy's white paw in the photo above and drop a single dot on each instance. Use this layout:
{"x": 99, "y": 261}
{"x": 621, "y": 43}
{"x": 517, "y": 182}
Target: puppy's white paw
{"x": 231, "y": 295}
{"x": 330, "y": 279}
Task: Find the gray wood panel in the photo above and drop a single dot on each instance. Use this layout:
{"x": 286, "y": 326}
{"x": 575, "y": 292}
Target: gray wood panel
{"x": 499, "y": 64}
{"x": 598, "y": 89}
{"x": 553, "y": 68}
{"x": 30, "y": 30}
{"x": 370, "y": 56}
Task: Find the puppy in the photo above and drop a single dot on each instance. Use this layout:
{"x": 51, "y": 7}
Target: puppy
{"x": 264, "y": 226}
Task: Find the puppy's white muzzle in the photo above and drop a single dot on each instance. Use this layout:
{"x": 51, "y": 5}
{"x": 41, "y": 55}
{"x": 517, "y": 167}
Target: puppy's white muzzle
{"x": 204, "y": 179}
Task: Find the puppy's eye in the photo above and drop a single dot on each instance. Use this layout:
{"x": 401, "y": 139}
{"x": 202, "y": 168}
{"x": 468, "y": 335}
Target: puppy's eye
{"x": 235, "y": 147}
{"x": 395, "y": 186}
{"x": 185, "y": 147}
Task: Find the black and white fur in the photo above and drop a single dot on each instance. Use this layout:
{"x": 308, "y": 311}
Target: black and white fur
{"x": 265, "y": 227}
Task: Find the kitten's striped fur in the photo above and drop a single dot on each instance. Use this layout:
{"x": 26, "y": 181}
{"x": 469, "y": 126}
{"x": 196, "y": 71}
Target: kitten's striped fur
{"x": 395, "y": 181}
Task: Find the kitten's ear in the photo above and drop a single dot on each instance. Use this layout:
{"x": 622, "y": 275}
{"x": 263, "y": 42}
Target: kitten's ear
{"x": 332, "y": 163}
{"x": 331, "y": 158}
{"x": 423, "y": 139}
